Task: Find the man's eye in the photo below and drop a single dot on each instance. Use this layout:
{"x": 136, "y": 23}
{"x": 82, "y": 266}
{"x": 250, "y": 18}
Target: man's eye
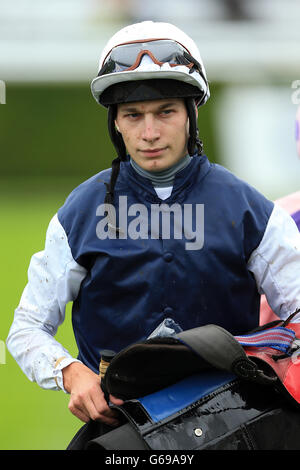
{"x": 132, "y": 115}
{"x": 167, "y": 111}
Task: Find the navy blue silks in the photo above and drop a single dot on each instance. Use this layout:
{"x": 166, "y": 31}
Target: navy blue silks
{"x": 133, "y": 284}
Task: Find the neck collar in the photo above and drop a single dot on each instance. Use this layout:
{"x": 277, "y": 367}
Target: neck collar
{"x": 183, "y": 180}
{"x": 164, "y": 178}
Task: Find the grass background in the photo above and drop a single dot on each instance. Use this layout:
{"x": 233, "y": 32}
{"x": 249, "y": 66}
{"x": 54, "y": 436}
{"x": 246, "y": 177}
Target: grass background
{"x": 52, "y": 137}
{"x": 31, "y": 418}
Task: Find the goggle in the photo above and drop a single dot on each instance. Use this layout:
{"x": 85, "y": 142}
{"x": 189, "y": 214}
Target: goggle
{"x": 128, "y": 56}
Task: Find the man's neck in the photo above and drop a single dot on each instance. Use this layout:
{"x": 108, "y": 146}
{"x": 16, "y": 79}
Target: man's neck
{"x": 164, "y": 178}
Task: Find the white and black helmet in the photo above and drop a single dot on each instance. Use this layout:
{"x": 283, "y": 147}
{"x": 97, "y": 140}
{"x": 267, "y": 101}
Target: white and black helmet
{"x": 145, "y": 51}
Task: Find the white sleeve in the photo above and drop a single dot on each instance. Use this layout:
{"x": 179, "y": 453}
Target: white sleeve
{"x": 275, "y": 264}
{"x": 54, "y": 279}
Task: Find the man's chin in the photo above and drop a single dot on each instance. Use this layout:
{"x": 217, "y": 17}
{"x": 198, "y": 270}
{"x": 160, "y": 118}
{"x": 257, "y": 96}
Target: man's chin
{"x": 156, "y": 165}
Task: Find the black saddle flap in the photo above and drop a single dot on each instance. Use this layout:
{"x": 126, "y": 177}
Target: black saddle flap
{"x": 158, "y": 362}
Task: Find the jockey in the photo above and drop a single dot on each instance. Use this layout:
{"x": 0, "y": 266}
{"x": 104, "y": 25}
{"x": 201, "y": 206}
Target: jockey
{"x": 162, "y": 234}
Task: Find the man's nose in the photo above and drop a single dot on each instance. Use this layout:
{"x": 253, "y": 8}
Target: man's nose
{"x": 150, "y": 130}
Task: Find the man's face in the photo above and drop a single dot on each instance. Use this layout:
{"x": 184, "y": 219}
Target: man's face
{"x": 155, "y": 133}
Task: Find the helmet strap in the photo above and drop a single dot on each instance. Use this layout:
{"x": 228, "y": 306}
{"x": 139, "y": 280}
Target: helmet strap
{"x": 115, "y": 136}
{"x": 194, "y": 140}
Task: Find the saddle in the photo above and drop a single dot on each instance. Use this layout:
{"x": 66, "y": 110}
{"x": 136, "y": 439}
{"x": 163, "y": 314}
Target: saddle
{"x": 207, "y": 389}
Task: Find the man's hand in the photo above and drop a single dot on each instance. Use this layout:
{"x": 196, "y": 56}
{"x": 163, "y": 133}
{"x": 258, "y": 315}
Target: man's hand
{"x": 87, "y": 399}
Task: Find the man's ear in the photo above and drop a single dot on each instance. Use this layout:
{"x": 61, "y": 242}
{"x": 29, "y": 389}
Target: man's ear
{"x": 117, "y": 127}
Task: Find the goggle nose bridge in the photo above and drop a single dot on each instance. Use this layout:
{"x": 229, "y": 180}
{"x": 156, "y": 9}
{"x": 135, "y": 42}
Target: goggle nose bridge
{"x": 154, "y": 59}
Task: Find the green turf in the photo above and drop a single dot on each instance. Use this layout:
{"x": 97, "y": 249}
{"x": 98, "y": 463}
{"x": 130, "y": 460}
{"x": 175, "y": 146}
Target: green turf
{"x": 31, "y": 418}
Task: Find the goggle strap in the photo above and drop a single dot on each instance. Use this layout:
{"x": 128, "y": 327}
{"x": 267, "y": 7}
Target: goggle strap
{"x": 102, "y": 70}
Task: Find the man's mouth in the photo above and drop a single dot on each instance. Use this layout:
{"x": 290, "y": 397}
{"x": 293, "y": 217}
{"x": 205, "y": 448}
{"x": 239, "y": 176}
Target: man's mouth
{"x": 153, "y": 152}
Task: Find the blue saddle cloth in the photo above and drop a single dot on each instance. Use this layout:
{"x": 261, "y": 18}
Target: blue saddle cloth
{"x": 177, "y": 397}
